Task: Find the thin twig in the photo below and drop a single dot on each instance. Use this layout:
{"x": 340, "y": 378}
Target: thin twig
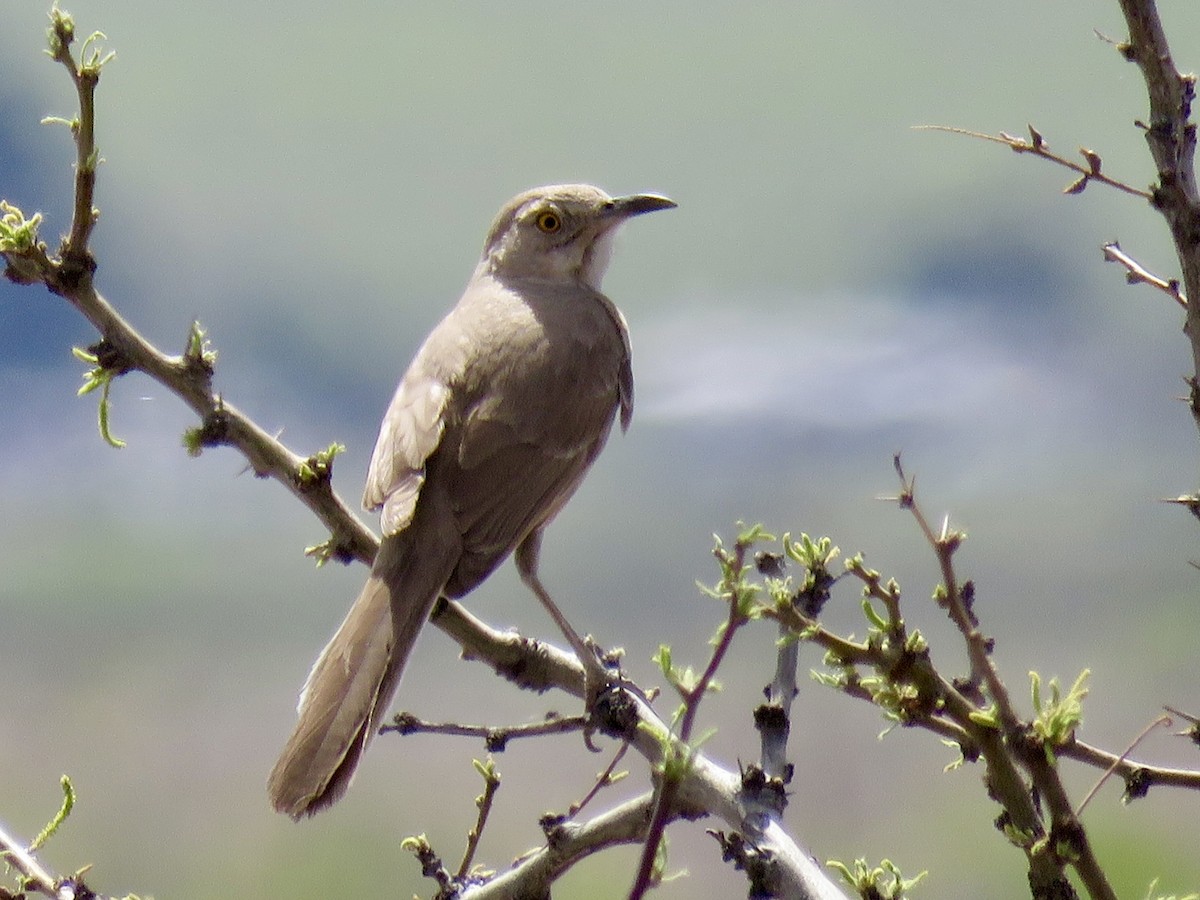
{"x": 1135, "y": 273}
{"x": 14, "y": 854}
{"x": 603, "y": 780}
{"x": 1037, "y": 146}
{"x": 85, "y": 75}
{"x": 494, "y": 736}
{"x": 1150, "y": 775}
{"x": 1160, "y": 722}
{"x": 1171, "y": 139}
{"x": 491, "y": 784}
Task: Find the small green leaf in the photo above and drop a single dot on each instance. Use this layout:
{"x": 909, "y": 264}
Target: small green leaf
{"x": 17, "y": 233}
{"x": 873, "y": 616}
{"x": 102, "y": 379}
{"x": 92, "y": 58}
{"x": 486, "y": 769}
{"x": 61, "y": 816}
{"x": 415, "y": 843}
{"x": 956, "y": 764}
{"x": 988, "y": 718}
{"x": 755, "y": 534}
{"x": 882, "y": 882}
{"x": 1057, "y": 717}
{"x": 663, "y": 658}
{"x": 61, "y": 32}
{"x": 322, "y": 552}
{"x": 319, "y": 466}
{"x": 105, "y": 433}
{"x": 198, "y": 349}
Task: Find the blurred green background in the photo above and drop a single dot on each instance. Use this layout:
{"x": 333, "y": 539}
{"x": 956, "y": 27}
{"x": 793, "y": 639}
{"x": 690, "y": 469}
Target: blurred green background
{"x": 313, "y": 183}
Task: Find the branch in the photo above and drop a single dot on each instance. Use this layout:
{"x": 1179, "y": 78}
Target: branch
{"x": 1139, "y": 777}
{"x": 1037, "y": 146}
{"x": 1171, "y": 138}
{"x": 1135, "y": 273}
{"x": 122, "y": 349}
{"x": 736, "y": 593}
{"x": 35, "y": 878}
{"x": 85, "y": 75}
{"x": 495, "y": 738}
{"x": 566, "y": 844}
{"x": 1011, "y": 742}
{"x": 704, "y": 788}
{"x": 14, "y": 854}
{"x": 773, "y": 718}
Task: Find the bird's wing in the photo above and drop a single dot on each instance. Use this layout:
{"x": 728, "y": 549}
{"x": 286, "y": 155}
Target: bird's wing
{"x": 515, "y": 490}
{"x": 411, "y": 431}
{"x": 517, "y": 464}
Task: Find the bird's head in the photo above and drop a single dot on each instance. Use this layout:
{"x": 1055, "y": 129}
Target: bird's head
{"x": 561, "y": 233}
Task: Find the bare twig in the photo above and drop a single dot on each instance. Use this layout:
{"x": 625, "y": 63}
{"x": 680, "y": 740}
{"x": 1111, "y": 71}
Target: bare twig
{"x": 1160, "y": 722}
{"x": 1037, "y": 146}
{"x": 1135, "y": 273}
{"x": 1147, "y": 775}
{"x": 495, "y": 737}
{"x": 603, "y": 780}
{"x": 491, "y": 784}
{"x": 36, "y": 878}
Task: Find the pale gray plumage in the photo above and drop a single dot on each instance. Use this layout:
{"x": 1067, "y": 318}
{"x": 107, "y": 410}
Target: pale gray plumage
{"x": 490, "y": 431}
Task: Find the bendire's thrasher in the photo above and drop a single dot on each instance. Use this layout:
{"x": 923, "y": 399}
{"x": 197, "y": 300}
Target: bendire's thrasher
{"x": 491, "y": 430}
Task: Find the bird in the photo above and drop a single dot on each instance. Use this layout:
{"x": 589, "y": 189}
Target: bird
{"x": 491, "y": 429}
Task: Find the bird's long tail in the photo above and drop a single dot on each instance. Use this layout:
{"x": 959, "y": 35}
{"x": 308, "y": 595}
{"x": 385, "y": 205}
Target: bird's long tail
{"x": 352, "y": 682}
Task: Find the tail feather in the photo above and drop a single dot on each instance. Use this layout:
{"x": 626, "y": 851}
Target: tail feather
{"x": 353, "y": 680}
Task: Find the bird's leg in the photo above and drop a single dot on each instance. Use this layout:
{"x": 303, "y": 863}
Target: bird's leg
{"x": 526, "y": 558}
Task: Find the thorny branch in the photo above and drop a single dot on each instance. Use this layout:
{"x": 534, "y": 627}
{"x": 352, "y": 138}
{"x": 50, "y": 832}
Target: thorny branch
{"x": 35, "y": 878}
{"x": 1136, "y": 273}
{"x": 676, "y": 763}
{"x": 1037, "y": 146}
{"x": 495, "y": 737}
{"x": 1171, "y": 138}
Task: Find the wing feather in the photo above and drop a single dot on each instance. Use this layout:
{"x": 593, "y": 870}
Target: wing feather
{"x": 410, "y": 433}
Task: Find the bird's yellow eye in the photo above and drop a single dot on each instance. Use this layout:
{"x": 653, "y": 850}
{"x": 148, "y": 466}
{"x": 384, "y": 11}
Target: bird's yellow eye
{"x": 548, "y": 222}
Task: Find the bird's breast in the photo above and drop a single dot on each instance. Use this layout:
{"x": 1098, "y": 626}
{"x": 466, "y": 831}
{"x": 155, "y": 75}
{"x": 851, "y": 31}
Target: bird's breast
{"x": 545, "y": 364}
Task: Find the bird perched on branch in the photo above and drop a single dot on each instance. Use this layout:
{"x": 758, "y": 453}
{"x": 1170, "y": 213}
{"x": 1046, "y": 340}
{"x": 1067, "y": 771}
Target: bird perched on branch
{"x": 492, "y": 428}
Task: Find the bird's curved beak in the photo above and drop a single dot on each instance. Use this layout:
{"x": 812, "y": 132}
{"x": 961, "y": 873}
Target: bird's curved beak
{"x": 637, "y": 204}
